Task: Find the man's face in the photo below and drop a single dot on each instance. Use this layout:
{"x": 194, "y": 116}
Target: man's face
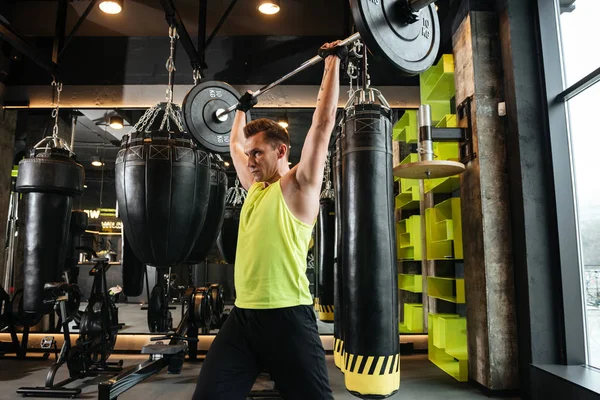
{"x": 262, "y": 157}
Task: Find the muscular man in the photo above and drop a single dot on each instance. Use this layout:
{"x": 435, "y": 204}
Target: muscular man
{"x": 272, "y": 325}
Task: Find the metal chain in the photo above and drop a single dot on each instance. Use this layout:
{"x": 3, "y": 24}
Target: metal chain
{"x": 196, "y": 75}
{"x": 352, "y": 73}
{"x": 59, "y": 87}
{"x": 171, "y": 111}
{"x": 327, "y": 193}
{"x": 236, "y": 195}
{"x": 170, "y": 65}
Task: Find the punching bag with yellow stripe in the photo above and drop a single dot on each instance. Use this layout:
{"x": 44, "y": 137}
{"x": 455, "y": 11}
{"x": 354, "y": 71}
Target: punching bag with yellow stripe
{"x": 338, "y": 317}
{"x": 325, "y": 247}
{"x": 371, "y": 337}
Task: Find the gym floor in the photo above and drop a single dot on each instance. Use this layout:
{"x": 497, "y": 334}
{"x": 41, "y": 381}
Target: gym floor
{"x": 420, "y": 380}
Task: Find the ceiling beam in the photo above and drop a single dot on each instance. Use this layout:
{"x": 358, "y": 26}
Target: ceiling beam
{"x": 10, "y": 35}
{"x": 145, "y": 96}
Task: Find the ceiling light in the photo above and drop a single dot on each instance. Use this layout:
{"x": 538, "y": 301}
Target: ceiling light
{"x": 283, "y": 121}
{"x": 111, "y": 6}
{"x": 85, "y": 186}
{"x": 116, "y": 122}
{"x": 96, "y": 161}
{"x": 226, "y": 163}
{"x": 269, "y": 6}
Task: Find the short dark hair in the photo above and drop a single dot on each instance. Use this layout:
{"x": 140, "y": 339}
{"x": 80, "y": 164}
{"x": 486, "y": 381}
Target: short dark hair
{"x": 275, "y": 134}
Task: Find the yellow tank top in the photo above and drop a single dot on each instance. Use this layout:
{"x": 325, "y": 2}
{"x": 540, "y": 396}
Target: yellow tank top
{"x": 270, "y": 261}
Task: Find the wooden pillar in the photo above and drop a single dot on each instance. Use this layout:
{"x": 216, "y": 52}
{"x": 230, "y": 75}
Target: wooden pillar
{"x": 489, "y": 280}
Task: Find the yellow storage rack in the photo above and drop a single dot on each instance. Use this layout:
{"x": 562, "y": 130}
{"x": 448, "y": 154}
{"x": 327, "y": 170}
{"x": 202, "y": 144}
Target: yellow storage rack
{"x": 413, "y": 318}
{"x": 409, "y": 196}
{"x": 406, "y": 129}
{"x": 437, "y": 87}
{"x": 448, "y": 289}
{"x": 410, "y": 283}
{"x": 448, "y": 344}
{"x": 408, "y": 237}
{"x": 444, "y": 231}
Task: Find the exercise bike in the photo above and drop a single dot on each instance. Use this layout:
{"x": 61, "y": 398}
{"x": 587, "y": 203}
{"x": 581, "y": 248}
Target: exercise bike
{"x": 98, "y": 327}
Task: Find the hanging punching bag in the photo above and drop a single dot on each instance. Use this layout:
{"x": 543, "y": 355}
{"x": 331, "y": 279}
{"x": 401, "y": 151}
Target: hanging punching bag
{"x": 132, "y": 269}
{"x": 163, "y": 185}
{"x": 325, "y": 249}
{"x": 78, "y": 225}
{"x": 214, "y": 216}
{"x": 371, "y": 337}
{"x": 48, "y": 180}
{"x": 338, "y": 289}
{"x": 227, "y": 240}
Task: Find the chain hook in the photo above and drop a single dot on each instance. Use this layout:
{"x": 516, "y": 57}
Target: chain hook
{"x": 59, "y": 87}
{"x": 196, "y": 75}
{"x": 170, "y": 65}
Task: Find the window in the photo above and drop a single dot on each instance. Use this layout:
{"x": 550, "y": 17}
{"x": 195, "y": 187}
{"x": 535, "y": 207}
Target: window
{"x": 580, "y": 31}
{"x": 585, "y": 144}
{"x": 581, "y": 71}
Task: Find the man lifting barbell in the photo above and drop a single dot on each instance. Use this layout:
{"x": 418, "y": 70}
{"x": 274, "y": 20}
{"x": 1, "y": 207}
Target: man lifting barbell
{"x": 273, "y": 325}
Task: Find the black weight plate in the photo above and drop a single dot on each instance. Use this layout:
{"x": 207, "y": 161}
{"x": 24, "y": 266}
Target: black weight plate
{"x": 412, "y": 48}
{"x": 199, "y": 114}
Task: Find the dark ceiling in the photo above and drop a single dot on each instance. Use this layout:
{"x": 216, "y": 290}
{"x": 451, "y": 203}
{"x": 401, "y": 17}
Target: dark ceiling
{"x": 131, "y": 49}
{"x": 146, "y": 18}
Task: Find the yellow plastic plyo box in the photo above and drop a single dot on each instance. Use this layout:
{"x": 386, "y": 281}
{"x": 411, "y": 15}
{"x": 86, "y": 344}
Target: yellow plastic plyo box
{"x": 408, "y": 236}
{"x": 444, "y": 231}
{"x": 413, "y": 318}
{"x": 448, "y": 344}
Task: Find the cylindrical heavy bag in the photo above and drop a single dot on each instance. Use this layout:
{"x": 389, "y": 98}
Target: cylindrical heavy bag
{"x": 371, "y": 337}
{"x": 227, "y": 240}
{"x": 132, "y": 270}
{"x": 338, "y": 289}
{"x": 214, "y": 216}
{"x": 78, "y": 225}
{"x": 48, "y": 181}
{"x": 325, "y": 247}
{"x": 163, "y": 186}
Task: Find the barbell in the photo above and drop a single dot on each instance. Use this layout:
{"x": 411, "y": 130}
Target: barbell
{"x": 405, "y": 32}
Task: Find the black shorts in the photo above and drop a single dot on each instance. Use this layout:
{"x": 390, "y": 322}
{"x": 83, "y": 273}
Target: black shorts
{"x": 283, "y": 341}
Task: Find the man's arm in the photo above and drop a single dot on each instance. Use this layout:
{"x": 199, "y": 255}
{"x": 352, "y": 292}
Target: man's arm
{"x": 312, "y": 161}
{"x": 236, "y": 148}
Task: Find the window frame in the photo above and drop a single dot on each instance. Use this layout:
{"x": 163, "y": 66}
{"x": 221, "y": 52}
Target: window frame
{"x": 557, "y": 96}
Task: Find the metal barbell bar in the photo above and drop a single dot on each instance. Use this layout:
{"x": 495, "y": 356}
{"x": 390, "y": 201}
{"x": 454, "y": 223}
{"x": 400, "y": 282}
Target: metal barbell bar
{"x": 221, "y": 114}
{"x": 315, "y": 60}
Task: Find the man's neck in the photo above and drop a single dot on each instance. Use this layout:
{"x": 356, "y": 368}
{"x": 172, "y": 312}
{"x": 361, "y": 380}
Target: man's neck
{"x": 281, "y": 171}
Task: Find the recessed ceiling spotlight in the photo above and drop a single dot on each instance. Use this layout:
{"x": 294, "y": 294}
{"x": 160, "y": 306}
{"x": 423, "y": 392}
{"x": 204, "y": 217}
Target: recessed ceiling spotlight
{"x": 269, "y": 7}
{"x": 111, "y": 6}
{"x": 116, "y": 122}
{"x": 283, "y": 121}
{"x": 96, "y": 162}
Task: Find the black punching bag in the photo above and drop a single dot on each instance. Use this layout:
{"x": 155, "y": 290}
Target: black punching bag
{"x": 163, "y": 185}
{"x": 325, "y": 249}
{"x": 77, "y": 226}
{"x": 214, "y": 216}
{"x": 371, "y": 337}
{"x": 227, "y": 240}
{"x": 48, "y": 181}
{"x": 132, "y": 269}
{"x": 338, "y": 289}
